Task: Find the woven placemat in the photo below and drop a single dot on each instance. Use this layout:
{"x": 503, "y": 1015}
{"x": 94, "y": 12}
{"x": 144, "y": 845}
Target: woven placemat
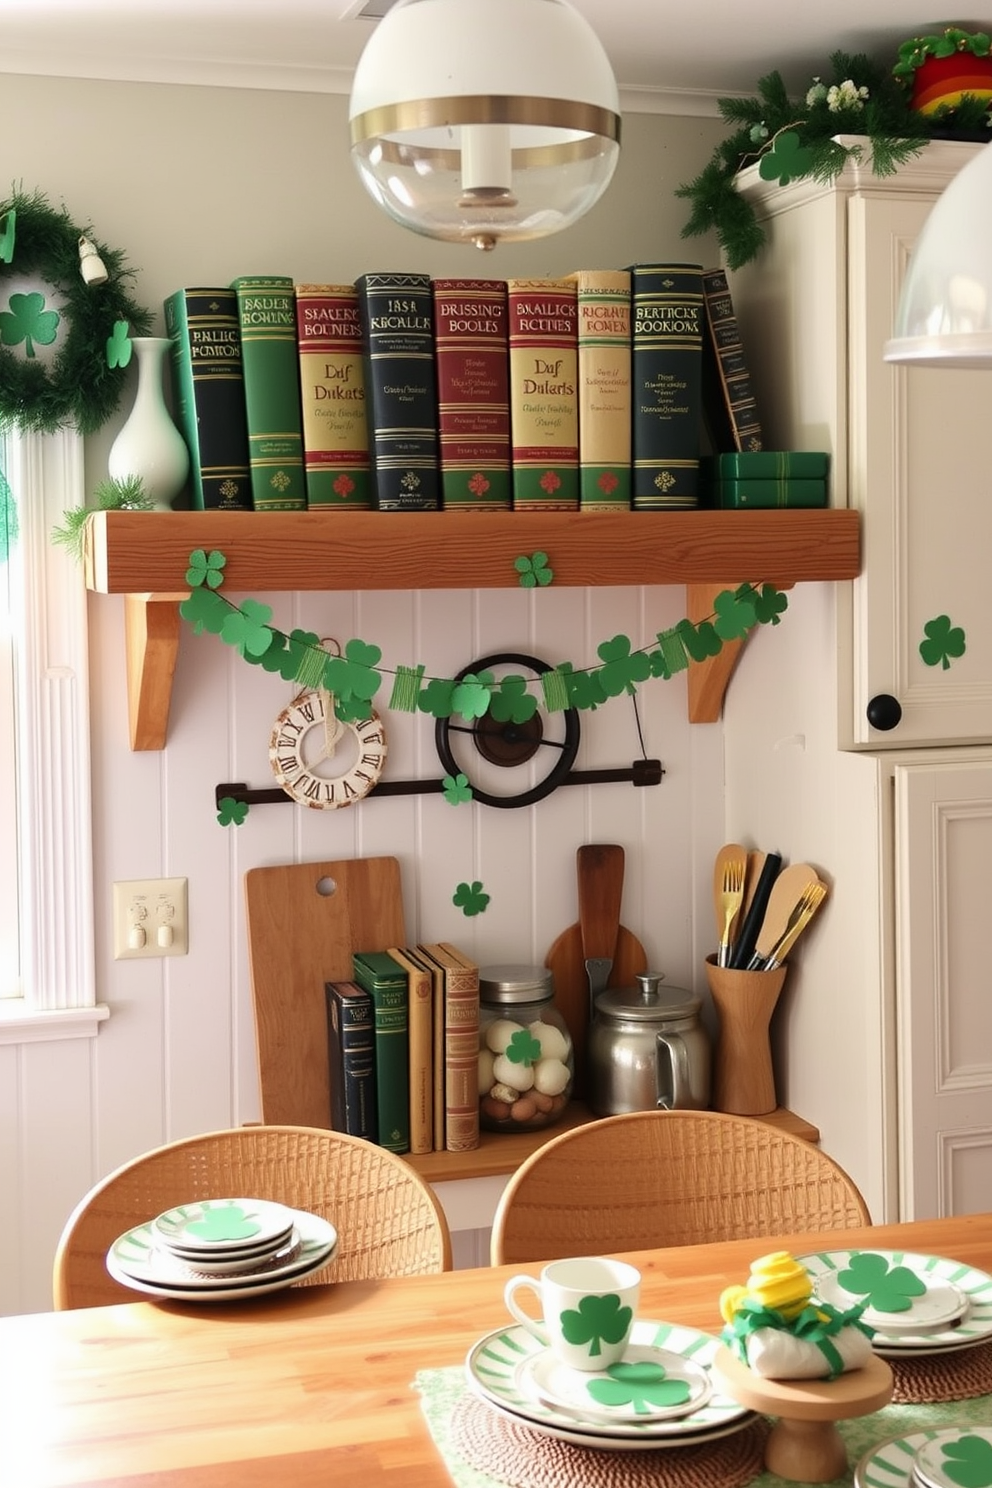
{"x": 931, "y": 1377}
{"x": 522, "y": 1458}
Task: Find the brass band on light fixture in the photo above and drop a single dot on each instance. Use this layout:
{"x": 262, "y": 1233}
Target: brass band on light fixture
{"x": 438, "y": 113}
{"x": 483, "y": 121}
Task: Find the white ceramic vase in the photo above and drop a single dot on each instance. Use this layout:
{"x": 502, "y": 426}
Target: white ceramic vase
{"x": 149, "y": 445}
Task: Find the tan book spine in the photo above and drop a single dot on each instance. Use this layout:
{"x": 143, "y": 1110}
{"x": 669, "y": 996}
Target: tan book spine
{"x": 544, "y": 395}
{"x": 420, "y": 988}
{"x": 461, "y": 1047}
{"x": 332, "y": 394}
{"x": 604, "y": 388}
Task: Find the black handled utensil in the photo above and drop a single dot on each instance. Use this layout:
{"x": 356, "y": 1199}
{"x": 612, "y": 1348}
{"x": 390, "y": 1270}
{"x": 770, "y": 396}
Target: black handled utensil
{"x": 748, "y": 937}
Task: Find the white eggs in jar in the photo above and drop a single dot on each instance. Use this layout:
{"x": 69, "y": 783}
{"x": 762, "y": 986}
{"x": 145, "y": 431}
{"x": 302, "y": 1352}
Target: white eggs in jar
{"x": 525, "y": 1052}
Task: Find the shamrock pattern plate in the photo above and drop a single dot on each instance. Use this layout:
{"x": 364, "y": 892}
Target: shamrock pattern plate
{"x": 136, "y": 1260}
{"x": 224, "y": 1224}
{"x": 963, "y": 1455}
{"x": 492, "y": 1371}
{"x": 648, "y": 1384}
{"x": 886, "y": 1277}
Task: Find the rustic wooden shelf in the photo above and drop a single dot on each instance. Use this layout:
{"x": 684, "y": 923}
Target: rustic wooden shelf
{"x": 145, "y": 555}
{"x": 497, "y": 1154}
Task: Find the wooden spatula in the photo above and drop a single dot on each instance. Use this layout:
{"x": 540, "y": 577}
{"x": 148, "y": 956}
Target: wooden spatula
{"x": 787, "y": 890}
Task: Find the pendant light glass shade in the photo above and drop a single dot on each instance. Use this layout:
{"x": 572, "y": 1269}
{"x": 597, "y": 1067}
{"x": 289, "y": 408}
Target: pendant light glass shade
{"x": 944, "y": 317}
{"x": 481, "y": 121}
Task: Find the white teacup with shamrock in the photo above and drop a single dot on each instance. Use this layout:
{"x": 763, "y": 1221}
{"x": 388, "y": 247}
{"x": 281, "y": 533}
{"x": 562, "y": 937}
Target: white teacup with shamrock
{"x": 589, "y": 1304}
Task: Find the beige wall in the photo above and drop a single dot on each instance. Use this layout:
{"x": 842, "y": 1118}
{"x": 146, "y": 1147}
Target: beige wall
{"x": 197, "y": 184}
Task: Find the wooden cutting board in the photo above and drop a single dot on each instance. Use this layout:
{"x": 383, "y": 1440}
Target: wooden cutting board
{"x": 304, "y": 922}
{"x": 598, "y": 932}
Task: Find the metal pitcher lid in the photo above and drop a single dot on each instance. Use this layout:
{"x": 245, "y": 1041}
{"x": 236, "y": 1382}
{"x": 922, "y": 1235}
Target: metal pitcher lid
{"x": 649, "y": 1000}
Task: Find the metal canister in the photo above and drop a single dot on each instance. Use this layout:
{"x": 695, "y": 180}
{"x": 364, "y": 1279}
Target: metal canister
{"x": 647, "y": 1048}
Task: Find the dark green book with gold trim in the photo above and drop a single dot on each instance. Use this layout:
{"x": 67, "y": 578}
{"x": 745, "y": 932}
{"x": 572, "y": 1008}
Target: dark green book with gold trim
{"x": 209, "y": 389}
{"x": 271, "y": 369}
{"x": 386, "y": 982}
{"x": 397, "y": 319}
{"x": 351, "y": 1055}
{"x": 667, "y": 322}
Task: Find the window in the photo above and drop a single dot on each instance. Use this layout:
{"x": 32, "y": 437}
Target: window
{"x": 47, "y": 985}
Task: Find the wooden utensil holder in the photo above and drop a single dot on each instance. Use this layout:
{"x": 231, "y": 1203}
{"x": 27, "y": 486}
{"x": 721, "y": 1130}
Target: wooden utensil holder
{"x": 743, "y": 1077}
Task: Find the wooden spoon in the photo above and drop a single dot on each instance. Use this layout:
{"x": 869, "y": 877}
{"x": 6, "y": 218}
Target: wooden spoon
{"x": 787, "y": 890}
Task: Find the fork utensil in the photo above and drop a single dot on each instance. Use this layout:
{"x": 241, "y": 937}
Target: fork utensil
{"x": 812, "y": 898}
{"x": 731, "y": 899}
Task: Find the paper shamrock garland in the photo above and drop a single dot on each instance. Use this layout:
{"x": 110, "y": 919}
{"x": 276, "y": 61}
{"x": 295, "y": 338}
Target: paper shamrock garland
{"x": 61, "y": 289}
{"x": 355, "y": 676}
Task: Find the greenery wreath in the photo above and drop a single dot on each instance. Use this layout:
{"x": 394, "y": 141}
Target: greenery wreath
{"x": 82, "y": 384}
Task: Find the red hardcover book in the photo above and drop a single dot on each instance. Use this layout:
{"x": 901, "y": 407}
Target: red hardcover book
{"x": 472, "y": 350}
{"x": 544, "y": 393}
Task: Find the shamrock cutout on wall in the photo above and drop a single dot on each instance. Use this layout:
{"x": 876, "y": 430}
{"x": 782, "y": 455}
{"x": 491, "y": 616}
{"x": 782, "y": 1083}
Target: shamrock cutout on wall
{"x": 943, "y": 641}
{"x": 641, "y": 1384}
{"x": 968, "y": 1461}
{"x": 787, "y": 159}
{"x": 470, "y": 898}
{"x": 231, "y": 813}
{"x": 456, "y": 789}
{"x": 596, "y": 1320}
{"x": 886, "y": 1288}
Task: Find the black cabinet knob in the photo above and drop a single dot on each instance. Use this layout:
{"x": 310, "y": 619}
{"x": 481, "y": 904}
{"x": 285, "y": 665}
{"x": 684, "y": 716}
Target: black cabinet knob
{"x": 884, "y": 712}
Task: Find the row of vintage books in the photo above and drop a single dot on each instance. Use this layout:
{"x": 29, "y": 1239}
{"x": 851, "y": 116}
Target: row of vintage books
{"x": 403, "y": 1049}
{"x": 403, "y": 392}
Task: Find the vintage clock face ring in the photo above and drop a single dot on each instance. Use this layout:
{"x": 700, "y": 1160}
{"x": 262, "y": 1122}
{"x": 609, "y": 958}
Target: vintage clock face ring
{"x": 321, "y": 761}
{"x": 539, "y": 749}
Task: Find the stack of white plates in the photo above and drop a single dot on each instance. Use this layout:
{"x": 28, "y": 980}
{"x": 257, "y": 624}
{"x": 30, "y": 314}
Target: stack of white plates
{"x": 916, "y": 1304}
{"x": 660, "y": 1395}
{"x": 222, "y": 1250}
{"x": 928, "y": 1459}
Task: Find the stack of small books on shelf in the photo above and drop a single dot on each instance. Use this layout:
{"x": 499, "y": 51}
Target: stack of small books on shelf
{"x": 403, "y": 1048}
{"x": 596, "y": 391}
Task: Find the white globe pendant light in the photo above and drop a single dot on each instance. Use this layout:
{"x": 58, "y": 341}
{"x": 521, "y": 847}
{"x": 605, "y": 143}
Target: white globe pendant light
{"x": 484, "y": 121}
{"x": 944, "y": 316}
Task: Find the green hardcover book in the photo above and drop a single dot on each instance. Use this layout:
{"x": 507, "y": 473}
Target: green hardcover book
{"x": 667, "y": 318}
{"x": 397, "y": 319}
{"x": 267, "y": 318}
{"x": 765, "y": 493}
{"x": 209, "y": 392}
{"x": 386, "y": 982}
{"x": 768, "y": 465}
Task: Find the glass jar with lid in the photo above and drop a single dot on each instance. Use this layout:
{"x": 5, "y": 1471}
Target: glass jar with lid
{"x": 526, "y": 1064}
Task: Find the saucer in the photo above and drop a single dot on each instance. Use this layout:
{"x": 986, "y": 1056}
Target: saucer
{"x": 939, "y": 1305}
{"x": 648, "y": 1384}
{"x": 944, "y": 1461}
{"x": 211, "y": 1225}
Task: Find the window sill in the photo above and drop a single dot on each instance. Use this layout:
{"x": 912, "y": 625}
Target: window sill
{"x": 19, "y": 1025}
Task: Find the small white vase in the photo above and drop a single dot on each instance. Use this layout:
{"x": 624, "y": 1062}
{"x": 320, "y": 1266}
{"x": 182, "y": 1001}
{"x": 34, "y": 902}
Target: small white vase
{"x": 149, "y": 445}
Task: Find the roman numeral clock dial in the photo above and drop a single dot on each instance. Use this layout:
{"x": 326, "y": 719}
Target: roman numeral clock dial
{"x": 320, "y": 761}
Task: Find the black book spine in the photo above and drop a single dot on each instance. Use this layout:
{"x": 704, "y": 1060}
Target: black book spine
{"x": 351, "y": 1052}
{"x": 209, "y": 395}
{"x": 397, "y": 319}
{"x": 667, "y": 318}
{"x": 730, "y": 410}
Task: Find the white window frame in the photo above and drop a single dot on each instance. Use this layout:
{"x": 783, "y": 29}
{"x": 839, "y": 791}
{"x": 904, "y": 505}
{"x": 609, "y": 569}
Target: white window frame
{"x": 52, "y": 743}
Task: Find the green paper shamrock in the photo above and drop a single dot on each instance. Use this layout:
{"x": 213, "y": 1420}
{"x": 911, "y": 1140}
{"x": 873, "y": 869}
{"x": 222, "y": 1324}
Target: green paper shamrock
{"x": 585, "y": 689}
{"x": 768, "y": 605}
{"x": 229, "y": 1223}
{"x": 968, "y": 1461}
{"x": 119, "y": 345}
{"x": 887, "y": 1288}
{"x": 205, "y": 610}
{"x": 8, "y": 232}
{"x": 470, "y": 898}
{"x": 353, "y": 675}
{"x": 472, "y": 695}
{"x": 623, "y": 668}
{"x": 701, "y": 641}
{"x": 27, "y": 320}
{"x": 205, "y": 569}
{"x": 286, "y": 653}
{"x": 523, "y": 1048}
{"x": 735, "y": 616}
{"x": 944, "y": 640}
{"x": 787, "y": 160}
{"x": 640, "y": 1384}
{"x": 456, "y": 789}
{"x": 533, "y": 571}
{"x": 436, "y": 698}
{"x": 512, "y": 703}
{"x": 247, "y": 628}
{"x": 596, "y": 1321}
{"x": 231, "y": 813}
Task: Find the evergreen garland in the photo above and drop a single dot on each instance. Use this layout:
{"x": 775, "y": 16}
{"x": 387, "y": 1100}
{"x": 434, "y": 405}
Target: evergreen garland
{"x": 794, "y": 138}
{"x": 78, "y": 387}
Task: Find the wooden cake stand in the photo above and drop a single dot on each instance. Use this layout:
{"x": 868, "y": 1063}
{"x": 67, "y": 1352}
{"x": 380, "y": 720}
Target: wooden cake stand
{"x": 805, "y": 1445}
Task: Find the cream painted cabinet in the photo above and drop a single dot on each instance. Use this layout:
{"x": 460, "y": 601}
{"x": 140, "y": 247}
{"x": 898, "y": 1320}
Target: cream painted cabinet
{"x": 883, "y": 1035}
{"x": 910, "y": 446}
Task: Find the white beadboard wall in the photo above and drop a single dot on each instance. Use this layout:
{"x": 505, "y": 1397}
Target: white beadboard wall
{"x": 196, "y": 185}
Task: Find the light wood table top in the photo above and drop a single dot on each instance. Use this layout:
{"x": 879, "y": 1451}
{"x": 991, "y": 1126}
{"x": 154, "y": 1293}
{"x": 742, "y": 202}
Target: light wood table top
{"x": 312, "y": 1386}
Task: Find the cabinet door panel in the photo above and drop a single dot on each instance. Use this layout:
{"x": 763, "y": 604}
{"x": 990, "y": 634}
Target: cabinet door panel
{"x": 943, "y": 873}
{"x": 921, "y": 472}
